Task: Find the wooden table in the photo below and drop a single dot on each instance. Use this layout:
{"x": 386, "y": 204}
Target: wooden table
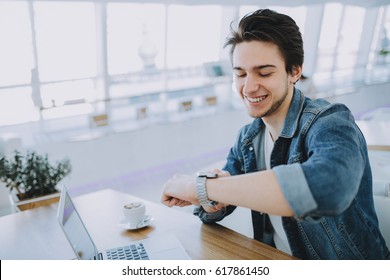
{"x": 35, "y": 234}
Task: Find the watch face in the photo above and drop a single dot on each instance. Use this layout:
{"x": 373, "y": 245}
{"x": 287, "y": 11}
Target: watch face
{"x": 208, "y": 174}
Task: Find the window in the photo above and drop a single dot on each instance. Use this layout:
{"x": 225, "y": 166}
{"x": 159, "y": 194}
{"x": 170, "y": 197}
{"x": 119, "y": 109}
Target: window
{"x": 16, "y": 106}
{"x": 339, "y": 42}
{"x": 329, "y": 36}
{"x": 16, "y": 62}
{"x": 380, "y": 47}
{"x": 350, "y": 34}
{"x": 194, "y": 35}
{"x": 67, "y": 56}
{"x": 66, "y": 40}
{"x": 15, "y": 48}
{"x": 79, "y": 58}
{"x": 129, "y": 27}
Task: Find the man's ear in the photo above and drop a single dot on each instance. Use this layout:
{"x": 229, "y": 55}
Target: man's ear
{"x": 296, "y": 74}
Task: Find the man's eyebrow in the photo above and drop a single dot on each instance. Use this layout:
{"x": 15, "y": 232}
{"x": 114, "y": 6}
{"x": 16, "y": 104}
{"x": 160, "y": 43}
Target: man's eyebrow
{"x": 260, "y": 67}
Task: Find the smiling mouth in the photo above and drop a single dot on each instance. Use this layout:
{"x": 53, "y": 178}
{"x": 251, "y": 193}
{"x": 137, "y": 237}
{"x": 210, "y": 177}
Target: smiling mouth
{"x": 255, "y": 99}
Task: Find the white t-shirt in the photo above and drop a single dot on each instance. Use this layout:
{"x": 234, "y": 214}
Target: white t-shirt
{"x": 280, "y": 237}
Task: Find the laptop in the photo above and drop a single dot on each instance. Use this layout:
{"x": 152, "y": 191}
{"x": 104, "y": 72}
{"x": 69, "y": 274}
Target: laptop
{"x": 165, "y": 247}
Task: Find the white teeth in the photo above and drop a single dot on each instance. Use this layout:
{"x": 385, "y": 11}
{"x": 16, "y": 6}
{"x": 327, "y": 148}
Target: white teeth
{"x": 257, "y": 99}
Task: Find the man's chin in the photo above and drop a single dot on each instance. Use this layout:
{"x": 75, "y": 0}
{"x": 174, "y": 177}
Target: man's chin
{"x": 255, "y": 115}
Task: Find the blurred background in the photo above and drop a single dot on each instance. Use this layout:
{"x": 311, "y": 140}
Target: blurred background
{"x": 134, "y": 92}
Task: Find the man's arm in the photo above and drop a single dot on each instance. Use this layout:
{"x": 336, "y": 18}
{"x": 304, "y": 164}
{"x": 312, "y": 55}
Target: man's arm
{"x": 258, "y": 191}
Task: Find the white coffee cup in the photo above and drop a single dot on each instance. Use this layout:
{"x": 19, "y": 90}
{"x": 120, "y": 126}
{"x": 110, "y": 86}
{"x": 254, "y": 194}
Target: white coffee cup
{"x": 134, "y": 213}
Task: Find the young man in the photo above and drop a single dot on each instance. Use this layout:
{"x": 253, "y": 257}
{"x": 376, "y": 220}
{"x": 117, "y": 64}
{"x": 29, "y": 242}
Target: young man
{"x": 301, "y": 166}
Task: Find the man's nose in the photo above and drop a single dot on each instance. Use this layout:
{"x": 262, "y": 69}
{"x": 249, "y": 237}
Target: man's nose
{"x": 251, "y": 84}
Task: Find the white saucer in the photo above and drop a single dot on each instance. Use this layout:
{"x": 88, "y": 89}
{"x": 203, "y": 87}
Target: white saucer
{"x": 146, "y": 221}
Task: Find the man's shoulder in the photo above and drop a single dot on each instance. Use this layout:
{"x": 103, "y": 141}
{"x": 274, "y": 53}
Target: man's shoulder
{"x": 319, "y": 106}
{"x": 324, "y": 113}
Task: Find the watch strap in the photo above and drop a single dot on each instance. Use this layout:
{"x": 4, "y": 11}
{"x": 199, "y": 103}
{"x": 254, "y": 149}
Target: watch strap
{"x": 201, "y": 192}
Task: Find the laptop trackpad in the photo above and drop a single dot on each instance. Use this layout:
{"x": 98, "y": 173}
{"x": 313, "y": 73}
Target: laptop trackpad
{"x": 170, "y": 254}
{"x": 165, "y": 247}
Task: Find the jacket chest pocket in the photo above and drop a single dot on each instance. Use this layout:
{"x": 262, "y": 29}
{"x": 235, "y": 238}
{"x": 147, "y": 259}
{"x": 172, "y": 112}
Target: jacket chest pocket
{"x": 296, "y": 153}
{"x": 296, "y": 157}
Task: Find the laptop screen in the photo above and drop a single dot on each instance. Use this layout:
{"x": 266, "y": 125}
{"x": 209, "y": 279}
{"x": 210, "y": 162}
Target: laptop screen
{"x": 74, "y": 228}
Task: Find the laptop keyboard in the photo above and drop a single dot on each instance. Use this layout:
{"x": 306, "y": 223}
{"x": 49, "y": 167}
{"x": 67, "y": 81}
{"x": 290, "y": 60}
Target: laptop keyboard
{"x": 130, "y": 252}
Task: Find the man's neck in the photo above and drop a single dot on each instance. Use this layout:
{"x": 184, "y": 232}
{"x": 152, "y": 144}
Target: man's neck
{"x": 275, "y": 122}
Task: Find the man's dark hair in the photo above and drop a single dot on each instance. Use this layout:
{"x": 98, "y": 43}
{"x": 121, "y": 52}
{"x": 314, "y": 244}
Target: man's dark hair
{"x": 269, "y": 26}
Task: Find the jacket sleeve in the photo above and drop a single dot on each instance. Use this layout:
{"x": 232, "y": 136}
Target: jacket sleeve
{"x": 328, "y": 178}
{"x": 214, "y": 217}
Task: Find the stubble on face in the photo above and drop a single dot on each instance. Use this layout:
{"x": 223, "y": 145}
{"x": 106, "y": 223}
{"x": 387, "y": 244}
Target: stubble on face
{"x": 274, "y": 107}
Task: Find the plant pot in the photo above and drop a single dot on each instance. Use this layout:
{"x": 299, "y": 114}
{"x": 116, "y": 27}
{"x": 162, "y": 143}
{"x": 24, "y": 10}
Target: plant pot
{"x": 30, "y": 203}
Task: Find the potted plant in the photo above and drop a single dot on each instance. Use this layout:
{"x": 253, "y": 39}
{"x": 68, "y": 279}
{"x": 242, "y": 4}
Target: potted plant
{"x": 32, "y": 179}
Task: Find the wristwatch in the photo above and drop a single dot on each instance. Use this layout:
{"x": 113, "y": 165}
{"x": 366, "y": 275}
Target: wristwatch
{"x": 200, "y": 185}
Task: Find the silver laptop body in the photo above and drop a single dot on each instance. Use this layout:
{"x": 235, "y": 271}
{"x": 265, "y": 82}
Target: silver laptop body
{"x": 162, "y": 247}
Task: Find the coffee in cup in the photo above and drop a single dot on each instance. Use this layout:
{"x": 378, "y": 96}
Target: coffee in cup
{"x": 134, "y": 213}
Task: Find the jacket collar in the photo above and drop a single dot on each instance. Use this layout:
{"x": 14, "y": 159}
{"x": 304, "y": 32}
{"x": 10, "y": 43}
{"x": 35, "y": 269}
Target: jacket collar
{"x": 291, "y": 122}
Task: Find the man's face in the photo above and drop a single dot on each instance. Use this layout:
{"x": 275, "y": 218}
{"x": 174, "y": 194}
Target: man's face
{"x": 261, "y": 79}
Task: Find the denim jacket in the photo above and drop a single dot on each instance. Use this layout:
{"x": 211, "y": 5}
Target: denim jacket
{"x": 321, "y": 163}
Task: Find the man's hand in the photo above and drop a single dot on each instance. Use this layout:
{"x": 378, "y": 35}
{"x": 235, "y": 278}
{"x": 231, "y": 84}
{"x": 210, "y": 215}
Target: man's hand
{"x": 179, "y": 191}
{"x": 215, "y": 208}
